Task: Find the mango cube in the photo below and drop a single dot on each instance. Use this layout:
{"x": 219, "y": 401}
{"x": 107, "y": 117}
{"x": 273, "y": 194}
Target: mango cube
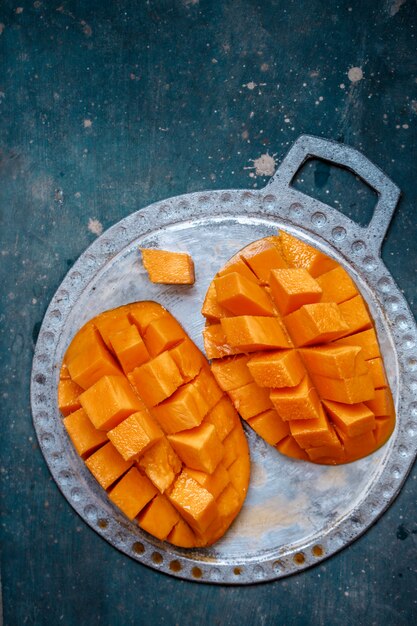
{"x": 184, "y": 409}
{"x": 223, "y": 416}
{"x": 348, "y": 390}
{"x": 199, "y": 448}
{"x": 132, "y": 493}
{"x": 68, "y": 396}
{"x": 291, "y": 288}
{"x": 297, "y": 403}
{"x": 250, "y": 400}
{"x": 82, "y": 433}
{"x": 196, "y": 504}
{"x": 107, "y": 465}
{"x": 249, "y": 333}
{"x": 315, "y": 323}
{"x": 270, "y": 426}
{"x": 160, "y": 464}
{"x": 352, "y": 419}
{"x": 242, "y": 296}
{"x": 129, "y": 348}
{"x": 313, "y": 432}
{"x": 162, "y": 334}
{"x": 337, "y": 286}
{"x": 335, "y": 361}
{"x": 355, "y": 314}
{"x": 169, "y": 268}
{"x": 232, "y": 372}
{"x": 277, "y": 369}
{"x": 157, "y": 379}
{"x": 300, "y": 254}
{"x": 92, "y": 362}
{"x": 159, "y": 517}
{"x": 134, "y": 435}
{"x": 366, "y": 339}
{"x": 262, "y": 256}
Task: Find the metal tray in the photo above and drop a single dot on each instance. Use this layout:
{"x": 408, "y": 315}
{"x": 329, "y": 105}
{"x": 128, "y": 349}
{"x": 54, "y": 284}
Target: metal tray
{"x": 296, "y": 514}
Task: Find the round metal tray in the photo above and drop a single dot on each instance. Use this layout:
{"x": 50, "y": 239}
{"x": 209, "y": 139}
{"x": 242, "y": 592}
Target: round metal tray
{"x": 296, "y": 514}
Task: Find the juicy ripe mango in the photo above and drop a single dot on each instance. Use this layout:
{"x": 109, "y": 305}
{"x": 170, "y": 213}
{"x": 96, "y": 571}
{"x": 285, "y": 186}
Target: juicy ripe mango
{"x": 293, "y": 345}
{"x": 145, "y": 413}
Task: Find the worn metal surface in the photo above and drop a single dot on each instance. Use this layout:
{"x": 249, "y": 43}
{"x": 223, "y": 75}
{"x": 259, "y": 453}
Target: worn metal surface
{"x": 295, "y": 513}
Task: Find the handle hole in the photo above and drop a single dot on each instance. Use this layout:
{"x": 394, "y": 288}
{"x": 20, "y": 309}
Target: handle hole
{"x": 337, "y": 187}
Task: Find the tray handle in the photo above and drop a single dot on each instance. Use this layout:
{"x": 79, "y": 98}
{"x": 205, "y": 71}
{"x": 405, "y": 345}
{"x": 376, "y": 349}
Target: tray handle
{"x": 307, "y": 146}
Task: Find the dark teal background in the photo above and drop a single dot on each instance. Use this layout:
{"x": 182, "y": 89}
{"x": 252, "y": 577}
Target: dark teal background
{"x": 106, "y": 107}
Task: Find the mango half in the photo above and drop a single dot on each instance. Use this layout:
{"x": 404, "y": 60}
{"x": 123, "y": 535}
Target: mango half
{"x": 146, "y": 414}
{"x": 292, "y": 343}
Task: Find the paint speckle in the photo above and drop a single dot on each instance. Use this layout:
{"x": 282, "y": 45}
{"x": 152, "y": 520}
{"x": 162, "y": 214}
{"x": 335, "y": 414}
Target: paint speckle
{"x": 87, "y": 30}
{"x": 355, "y": 74}
{"x": 19, "y": 10}
{"x": 95, "y": 227}
{"x": 245, "y": 135}
{"x": 405, "y": 126}
{"x": 414, "y": 106}
{"x": 396, "y": 6}
{"x": 264, "y": 67}
{"x": 342, "y": 86}
{"x": 265, "y": 165}
{"x": 251, "y": 86}
{"x": 2, "y": 27}
{"x": 87, "y": 123}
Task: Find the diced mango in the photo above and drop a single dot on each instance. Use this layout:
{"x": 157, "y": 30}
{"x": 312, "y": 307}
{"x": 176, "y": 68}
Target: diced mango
{"x": 357, "y": 447}
{"x": 382, "y": 404}
{"x": 290, "y": 447}
{"x": 160, "y": 464}
{"x": 250, "y": 400}
{"x": 92, "y": 362}
{"x": 207, "y": 386}
{"x": 234, "y": 444}
{"x": 236, "y": 264}
{"x": 263, "y": 256}
{"x": 157, "y": 379}
{"x": 110, "y": 400}
{"x": 292, "y": 288}
{"x": 232, "y": 372}
{"x": 163, "y": 334}
{"x": 348, "y": 390}
{"x": 223, "y": 416}
{"x": 159, "y": 517}
{"x": 270, "y": 426}
{"x": 315, "y": 323}
{"x": 134, "y": 435}
{"x": 335, "y": 361}
{"x": 376, "y": 368}
{"x": 215, "y": 342}
{"x": 184, "y": 409}
{"x": 300, "y": 254}
{"x": 352, "y": 419}
{"x": 143, "y": 313}
{"x": 228, "y": 503}
{"x": 188, "y": 359}
{"x": 384, "y": 427}
{"x": 330, "y": 453}
{"x": 355, "y": 314}
{"x": 215, "y": 482}
{"x": 337, "y": 286}
{"x": 239, "y": 472}
{"x": 107, "y": 465}
{"x": 297, "y": 403}
{"x": 68, "y": 396}
{"x": 199, "y": 448}
{"x": 129, "y": 348}
{"x": 241, "y": 296}
{"x": 313, "y": 432}
{"x": 283, "y": 368}
{"x": 82, "y": 433}
{"x": 195, "y": 503}
{"x": 249, "y": 333}
{"x": 109, "y": 323}
{"x": 211, "y": 308}
{"x": 367, "y": 340}
{"x": 182, "y": 535}
{"x": 64, "y": 372}
{"x": 132, "y": 493}
{"x": 170, "y": 268}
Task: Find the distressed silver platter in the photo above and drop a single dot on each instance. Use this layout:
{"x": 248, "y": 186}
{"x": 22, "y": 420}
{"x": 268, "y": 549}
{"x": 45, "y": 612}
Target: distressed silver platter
{"x": 296, "y": 513}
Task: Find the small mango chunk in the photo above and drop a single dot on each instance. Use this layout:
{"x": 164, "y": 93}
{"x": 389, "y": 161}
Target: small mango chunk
{"x": 313, "y": 432}
{"x": 384, "y": 427}
{"x": 134, "y": 435}
{"x": 132, "y": 493}
{"x": 160, "y": 464}
{"x": 270, "y": 426}
{"x": 215, "y": 482}
{"x": 357, "y": 447}
{"x": 290, "y": 447}
{"x": 211, "y": 308}
{"x": 232, "y": 372}
{"x": 298, "y": 254}
{"x": 223, "y": 416}
{"x": 335, "y": 361}
{"x": 382, "y": 403}
{"x": 263, "y": 256}
{"x": 241, "y": 296}
{"x": 157, "y": 379}
{"x": 199, "y": 448}
{"x": 236, "y": 264}
{"x": 68, "y": 396}
{"x": 367, "y": 340}
{"x": 376, "y": 369}
{"x": 330, "y": 453}
{"x": 143, "y": 313}
{"x": 355, "y": 314}
{"x": 249, "y": 333}
{"x": 352, "y": 419}
{"x": 109, "y": 323}
{"x": 297, "y": 403}
{"x": 182, "y": 535}
{"x": 315, "y": 323}
{"x": 292, "y": 288}
{"x": 82, "y": 433}
{"x": 207, "y": 386}
{"x": 250, "y": 400}
{"x": 184, "y": 409}
{"x": 228, "y": 501}
{"x": 162, "y": 334}
{"x": 188, "y": 359}
{"x": 110, "y": 400}
{"x": 129, "y": 348}
{"x": 64, "y": 372}
{"x": 107, "y": 465}
{"x": 215, "y": 342}
{"x": 195, "y": 503}
{"x": 283, "y": 368}
{"x": 234, "y": 444}
{"x": 169, "y": 268}
{"x": 348, "y": 390}
{"x": 159, "y": 517}
{"x": 91, "y": 361}
{"x": 337, "y": 286}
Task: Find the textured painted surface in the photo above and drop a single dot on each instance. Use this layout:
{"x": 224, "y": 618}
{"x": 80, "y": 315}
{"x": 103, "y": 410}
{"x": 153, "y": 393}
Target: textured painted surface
{"x": 106, "y": 107}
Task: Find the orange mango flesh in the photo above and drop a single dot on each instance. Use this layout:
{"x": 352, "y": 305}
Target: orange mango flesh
{"x": 153, "y": 425}
{"x": 171, "y": 268}
{"x": 235, "y": 293}
{"x": 309, "y": 378}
